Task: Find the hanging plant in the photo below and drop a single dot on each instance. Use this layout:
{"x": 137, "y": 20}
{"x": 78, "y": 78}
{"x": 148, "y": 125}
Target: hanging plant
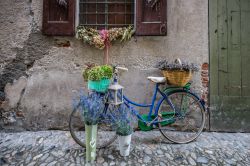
{"x": 102, "y": 38}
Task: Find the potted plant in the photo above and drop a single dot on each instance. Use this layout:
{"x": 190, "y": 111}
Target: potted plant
{"x": 177, "y": 73}
{"x": 124, "y": 128}
{"x": 98, "y": 77}
{"x": 91, "y": 107}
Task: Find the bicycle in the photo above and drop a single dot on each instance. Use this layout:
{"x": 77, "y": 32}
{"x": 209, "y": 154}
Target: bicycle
{"x": 179, "y": 114}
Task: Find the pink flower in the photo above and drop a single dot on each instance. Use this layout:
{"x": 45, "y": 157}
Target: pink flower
{"x": 104, "y": 34}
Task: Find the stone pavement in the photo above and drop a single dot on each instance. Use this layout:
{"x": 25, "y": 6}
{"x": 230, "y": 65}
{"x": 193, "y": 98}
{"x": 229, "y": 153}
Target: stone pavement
{"x": 148, "y": 148}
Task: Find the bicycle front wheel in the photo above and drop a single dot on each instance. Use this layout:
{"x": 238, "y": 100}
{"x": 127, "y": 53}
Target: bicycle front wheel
{"x": 187, "y": 118}
{"x": 105, "y": 134}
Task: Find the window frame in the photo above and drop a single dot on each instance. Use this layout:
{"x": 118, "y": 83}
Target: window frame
{"x": 77, "y": 13}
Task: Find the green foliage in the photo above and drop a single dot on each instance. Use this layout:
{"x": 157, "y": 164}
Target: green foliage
{"x": 124, "y": 129}
{"x": 86, "y": 70}
{"x": 127, "y": 34}
{"x": 97, "y": 73}
{"x": 107, "y": 71}
{"x": 85, "y": 74}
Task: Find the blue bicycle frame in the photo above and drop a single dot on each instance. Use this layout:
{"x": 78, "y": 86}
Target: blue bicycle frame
{"x": 152, "y": 106}
{"x": 155, "y": 107}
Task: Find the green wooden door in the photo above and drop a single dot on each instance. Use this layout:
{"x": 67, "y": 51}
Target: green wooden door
{"x": 229, "y": 33}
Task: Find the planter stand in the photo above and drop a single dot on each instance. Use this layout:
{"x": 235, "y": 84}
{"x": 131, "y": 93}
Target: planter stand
{"x": 91, "y": 133}
{"x": 124, "y": 144}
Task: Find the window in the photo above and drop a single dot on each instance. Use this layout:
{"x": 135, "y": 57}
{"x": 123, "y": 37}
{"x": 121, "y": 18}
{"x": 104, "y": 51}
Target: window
{"x": 105, "y": 14}
{"x": 148, "y": 16}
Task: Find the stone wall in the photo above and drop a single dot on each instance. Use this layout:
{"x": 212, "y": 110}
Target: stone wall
{"x": 39, "y": 78}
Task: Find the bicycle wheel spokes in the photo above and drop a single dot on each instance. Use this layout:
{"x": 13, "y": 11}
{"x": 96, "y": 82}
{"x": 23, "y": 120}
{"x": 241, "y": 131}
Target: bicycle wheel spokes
{"x": 188, "y": 120}
{"x": 105, "y": 135}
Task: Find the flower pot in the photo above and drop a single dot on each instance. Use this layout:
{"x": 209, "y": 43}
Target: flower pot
{"x": 91, "y": 133}
{"x": 124, "y": 144}
{"x": 99, "y": 86}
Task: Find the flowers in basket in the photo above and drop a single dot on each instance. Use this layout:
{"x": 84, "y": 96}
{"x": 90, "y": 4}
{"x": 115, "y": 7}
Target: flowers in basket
{"x": 177, "y": 73}
{"x": 176, "y": 65}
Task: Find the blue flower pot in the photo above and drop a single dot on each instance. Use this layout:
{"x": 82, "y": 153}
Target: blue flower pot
{"x": 99, "y": 86}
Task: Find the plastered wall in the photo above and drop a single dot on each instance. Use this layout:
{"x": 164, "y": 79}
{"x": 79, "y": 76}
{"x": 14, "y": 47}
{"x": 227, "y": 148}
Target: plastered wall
{"x": 38, "y": 79}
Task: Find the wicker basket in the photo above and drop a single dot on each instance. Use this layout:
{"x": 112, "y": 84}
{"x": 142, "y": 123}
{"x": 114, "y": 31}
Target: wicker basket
{"x": 177, "y": 77}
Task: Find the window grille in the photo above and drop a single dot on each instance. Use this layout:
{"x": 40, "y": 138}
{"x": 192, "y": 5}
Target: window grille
{"x": 105, "y": 14}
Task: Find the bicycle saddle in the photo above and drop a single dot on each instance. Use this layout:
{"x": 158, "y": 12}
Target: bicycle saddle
{"x": 157, "y": 79}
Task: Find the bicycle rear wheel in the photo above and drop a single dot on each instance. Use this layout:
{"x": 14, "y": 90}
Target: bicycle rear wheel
{"x": 105, "y": 135}
{"x": 188, "y": 117}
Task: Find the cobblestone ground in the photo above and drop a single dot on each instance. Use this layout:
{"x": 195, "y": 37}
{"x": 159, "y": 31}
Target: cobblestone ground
{"x": 148, "y": 148}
